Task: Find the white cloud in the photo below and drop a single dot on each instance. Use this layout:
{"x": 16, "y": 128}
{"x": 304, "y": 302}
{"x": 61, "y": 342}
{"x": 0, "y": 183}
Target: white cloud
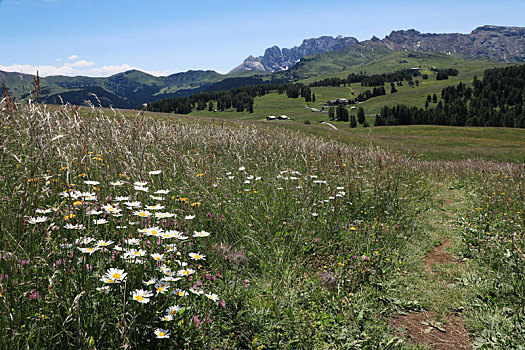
{"x": 58, "y": 59}
{"x": 73, "y": 57}
{"x": 81, "y": 67}
{"x": 81, "y": 63}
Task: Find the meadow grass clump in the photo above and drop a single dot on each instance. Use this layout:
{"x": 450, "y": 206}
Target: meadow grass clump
{"x": 130, "y": 232}
{"x": 494, "y": 236}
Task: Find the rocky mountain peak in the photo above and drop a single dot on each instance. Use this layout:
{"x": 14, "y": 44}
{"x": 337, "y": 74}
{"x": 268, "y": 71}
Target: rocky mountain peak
{"x": 276, "y": 59}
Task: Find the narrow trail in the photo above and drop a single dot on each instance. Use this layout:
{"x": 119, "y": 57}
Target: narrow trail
{"x": 430, "y": 280}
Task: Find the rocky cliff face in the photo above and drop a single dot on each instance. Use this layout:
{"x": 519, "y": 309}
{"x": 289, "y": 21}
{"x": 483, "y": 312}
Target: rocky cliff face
{"x": 506, "y": 44}
{"x": 275, "y": 59}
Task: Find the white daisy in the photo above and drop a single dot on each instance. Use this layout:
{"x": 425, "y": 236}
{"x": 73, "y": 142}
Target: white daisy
{"x": 162, "y": 333}
{"x": 37, "y": 220}
{"x": 179, "y": 293}
{"x": 201, "y": 234}
{"x": 142, "y": 296}
{"x": 142, "y": 213}
{"x": 172, "y": 310}
{"x": 162, "y": 192}
{"x": 213, "y": 297}
{"x": 92, "y": 183}
{"x": 88, "y": 250}
{"x": 197, "y": 256}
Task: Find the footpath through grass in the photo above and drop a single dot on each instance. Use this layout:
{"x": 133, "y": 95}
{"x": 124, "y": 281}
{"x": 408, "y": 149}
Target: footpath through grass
{"x": 139, "y": 233}
{"x": 452, "y": 296}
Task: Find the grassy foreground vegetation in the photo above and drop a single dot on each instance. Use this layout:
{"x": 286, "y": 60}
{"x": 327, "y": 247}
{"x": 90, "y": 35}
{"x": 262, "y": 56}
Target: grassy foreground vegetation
{"x": 138, "y": 233}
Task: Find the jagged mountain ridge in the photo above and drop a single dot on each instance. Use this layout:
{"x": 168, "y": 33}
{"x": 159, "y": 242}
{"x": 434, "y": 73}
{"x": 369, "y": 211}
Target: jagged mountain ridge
{"x": 275, "y": 59}
{"x": 504, "y": 44}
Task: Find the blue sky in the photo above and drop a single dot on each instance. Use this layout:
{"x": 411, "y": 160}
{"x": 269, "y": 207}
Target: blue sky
{"x": 104, "y": 37}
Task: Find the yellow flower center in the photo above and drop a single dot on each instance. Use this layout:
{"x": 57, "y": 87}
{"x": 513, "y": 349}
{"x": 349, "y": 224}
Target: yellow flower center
{"x": 160, "y": 289}
{"x": 154, "y": 232}
{"x": 142, "y": 214}
{"x": 197, "y": 256}
{"x": 161, "y": 334}
{"x": 173, "y": 312}
{"x": 116, "y": 275}
{"x": 139, "y": 297}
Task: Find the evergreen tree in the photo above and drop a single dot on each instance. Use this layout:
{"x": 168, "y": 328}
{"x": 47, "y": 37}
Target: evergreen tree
{"x": 353, "y": 122}
{"x": 393, "y": 89}
{"x": 361, "y": 115}
{"x": 210, "y": 106}
{"x": 331, "y": 114}
{"x": 434, "y": 98}
{"x": 313, "y": 97}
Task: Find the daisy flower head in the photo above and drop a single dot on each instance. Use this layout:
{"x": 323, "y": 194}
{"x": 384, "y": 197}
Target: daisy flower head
{"x": 153, "y": 231}
{"x": 155, "y": 207}
{"x": 92, "y": 183}
{"x": 179, "y": 293}
{"x": 171, "y": 247}
{"x": 69, "y": 226}
{"x": 117, "y": 183}
{"x": 171, "y": 279}
{"x": 142, "y": 296}
{"x": 135, "y": 204}
{"x": 196, "y": 291}
{"x": 162, "y": 191}
{"x": 212, "y": 296}
{"x": 44, "y": 211}
{"x": 132, "y": 241}
{"x": 189, "y": 217}
{"x": 102, "y": 243}
{"x": 100, "y": 221}
{"x": 197, "y": 256}
{"x": 173, "y": 310}
{"x": 158, "y": 257}
{"x": 166, "y": 318}
{"x": 37, "y": 220}
{"x": 142, "y": 213}
{"x": 201, "y": 234}
{"x": 121, "y": 198}
{"x": 116, "y": 274}
{"x": 84, "y": 240}
{"x": 185, "y": 272}
{"x": 103, "y": 289}
{"x": 141, "y": 188}
{"x": 94, "y": 212}
{"x": 161, "y": 287}
{"x": 164, "y": 215}
{"x": 140, "y": 184}
{"x": 157, "y": 198}
{"x": 155, "y": 172}
{"x": 162, "y": 333}
{"x": 150, "y": 282}
{"x": 88, "y": 250}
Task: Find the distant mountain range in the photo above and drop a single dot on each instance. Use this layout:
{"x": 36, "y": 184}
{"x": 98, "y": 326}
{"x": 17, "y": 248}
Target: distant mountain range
{"x": 313, "y": 57}
{"x": 275, "y": 59}
{"x": 505, "y": 44}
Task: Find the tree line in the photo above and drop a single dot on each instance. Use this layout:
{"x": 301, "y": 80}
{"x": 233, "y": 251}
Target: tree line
{"x": 497, "y": 100}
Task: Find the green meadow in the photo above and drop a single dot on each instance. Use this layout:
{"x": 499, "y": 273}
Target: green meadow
{"x": 142, "y": 230}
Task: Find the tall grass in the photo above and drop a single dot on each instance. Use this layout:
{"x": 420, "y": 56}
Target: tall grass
{"x": 304, "y": 237}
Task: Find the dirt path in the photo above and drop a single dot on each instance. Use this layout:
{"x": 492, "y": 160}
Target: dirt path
{"x": 431, "y": 276}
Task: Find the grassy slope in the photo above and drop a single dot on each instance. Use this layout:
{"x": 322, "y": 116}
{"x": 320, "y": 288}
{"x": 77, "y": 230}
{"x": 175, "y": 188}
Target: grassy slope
{"x": 429, "y": 142}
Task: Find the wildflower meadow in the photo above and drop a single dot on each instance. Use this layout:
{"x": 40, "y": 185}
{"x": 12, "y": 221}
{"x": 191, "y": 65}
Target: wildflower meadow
{"x": 130, "y": 232}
